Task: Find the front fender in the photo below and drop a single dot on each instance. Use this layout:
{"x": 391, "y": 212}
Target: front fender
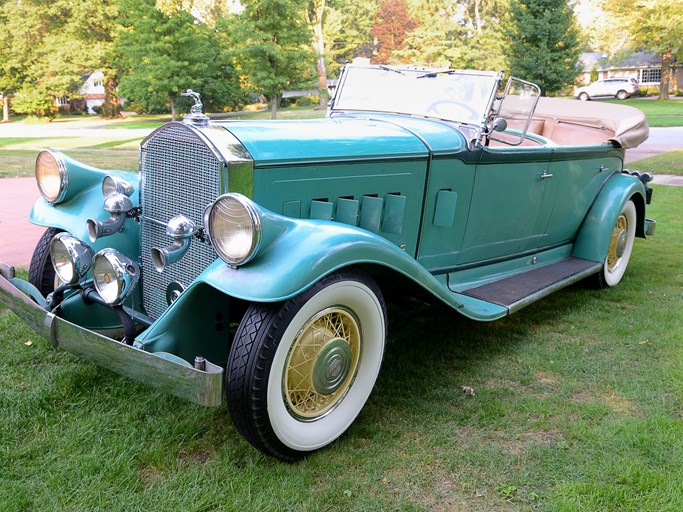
{"x": 86, "y": 203}
{"x": 307, "y": 250}
{"x": 595, "y": 232}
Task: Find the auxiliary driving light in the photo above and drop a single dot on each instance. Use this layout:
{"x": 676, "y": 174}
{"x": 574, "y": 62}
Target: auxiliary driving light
{"x": 115, "y": 276}
{"x": 70, "y": 257}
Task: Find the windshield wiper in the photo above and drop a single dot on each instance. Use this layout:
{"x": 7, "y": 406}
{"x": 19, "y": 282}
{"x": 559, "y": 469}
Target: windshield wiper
{"x": 387, "y": 68}
{"x": 432, "y": 74}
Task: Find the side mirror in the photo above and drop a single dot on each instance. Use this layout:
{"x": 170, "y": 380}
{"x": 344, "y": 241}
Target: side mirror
{"x": 499, "y": 125}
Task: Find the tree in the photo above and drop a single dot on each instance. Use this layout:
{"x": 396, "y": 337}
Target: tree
{"x": 274, "y": 47}
{"x": 653, "y": 26}
{"x": 160, "y": 55}
{"x": 315, "y": 9}
{"x": 544, "y": 43}
{"x": 346, "y": 28}
{"x": 464, "y": 34}
{"x": 392, "y": 24}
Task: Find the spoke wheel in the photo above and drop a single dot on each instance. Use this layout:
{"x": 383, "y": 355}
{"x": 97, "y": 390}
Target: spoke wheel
{"x": 300, "y": 371}
{"x": 620, "y": 247}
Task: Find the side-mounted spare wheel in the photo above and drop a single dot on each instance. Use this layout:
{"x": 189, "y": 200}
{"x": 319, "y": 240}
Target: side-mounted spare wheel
{"x": 300, "y": 371}
{"x": 620, "y": 247}
{"x": 41, "y": 273}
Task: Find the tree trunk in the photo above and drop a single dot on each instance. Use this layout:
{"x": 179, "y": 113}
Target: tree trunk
{"x": 273, "y": 106}
{"x": 667, "y": 57}
{"x": 319, "y": 45}
{"x": 5, "y": 108}
{"x": 111, "y": 107}
{"x": 174, "y": 112}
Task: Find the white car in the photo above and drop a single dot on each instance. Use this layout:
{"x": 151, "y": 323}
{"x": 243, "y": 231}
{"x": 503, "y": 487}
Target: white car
{"x": 620, "y": 88}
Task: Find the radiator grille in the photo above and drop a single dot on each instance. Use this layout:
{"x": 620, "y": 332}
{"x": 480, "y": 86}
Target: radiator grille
{"x": 179, "y": 175}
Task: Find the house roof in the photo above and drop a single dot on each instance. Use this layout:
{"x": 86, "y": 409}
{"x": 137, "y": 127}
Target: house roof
{"x": 602, "y": 61}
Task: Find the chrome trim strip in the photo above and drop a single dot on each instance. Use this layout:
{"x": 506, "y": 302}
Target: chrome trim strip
{"x": 597, "y": 267}
{"x": 201, "y": 387}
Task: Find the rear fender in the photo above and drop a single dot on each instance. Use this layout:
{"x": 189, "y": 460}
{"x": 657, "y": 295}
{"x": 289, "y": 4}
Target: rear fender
{"x": 595, "y": 232}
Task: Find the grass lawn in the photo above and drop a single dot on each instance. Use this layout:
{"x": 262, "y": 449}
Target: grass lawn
{"x": 667, "y": 163}
{"x": 16, "y": 163}
{"x": 577, "y": 407}
{"x": 658, "y": 113}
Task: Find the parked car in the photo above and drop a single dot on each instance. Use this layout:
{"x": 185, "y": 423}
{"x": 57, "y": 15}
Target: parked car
{"x": 620, "y": 88}
{"x": 247, "y": 262}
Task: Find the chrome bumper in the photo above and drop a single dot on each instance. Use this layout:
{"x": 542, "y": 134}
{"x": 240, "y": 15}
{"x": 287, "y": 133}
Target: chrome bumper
{"x": 201, "y": 387}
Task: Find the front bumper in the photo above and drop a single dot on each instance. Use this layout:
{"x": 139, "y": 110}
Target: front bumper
{"x": 201, "y": 387}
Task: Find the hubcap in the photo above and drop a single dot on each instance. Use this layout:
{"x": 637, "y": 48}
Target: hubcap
{"x": 322, "y": 364}
{"x": 332, "y": 366}
{"x": 617, "y": 243}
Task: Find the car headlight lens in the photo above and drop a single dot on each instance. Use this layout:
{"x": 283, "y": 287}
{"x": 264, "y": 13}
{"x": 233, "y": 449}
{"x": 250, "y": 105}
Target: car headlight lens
{"x": 115, "y": 276}
{"x": 51, "y": 175}
{"x": 234, "y": 228}
{"x": 70, "y": 257}
{"x": 114, "y": 185}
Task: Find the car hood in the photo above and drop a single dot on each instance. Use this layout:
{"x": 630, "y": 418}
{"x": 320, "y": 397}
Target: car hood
{"x": 343, "y": 138}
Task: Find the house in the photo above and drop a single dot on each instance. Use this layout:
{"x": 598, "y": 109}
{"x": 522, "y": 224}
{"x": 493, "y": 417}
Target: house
{"x": 92, "y": 96}
{"x": 646, "y": 68}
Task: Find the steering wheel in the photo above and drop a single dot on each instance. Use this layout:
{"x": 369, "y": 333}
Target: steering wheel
{"x": 437, "y": 108}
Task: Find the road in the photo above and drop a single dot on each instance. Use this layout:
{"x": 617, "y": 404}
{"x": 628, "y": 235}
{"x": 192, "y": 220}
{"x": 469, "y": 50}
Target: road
{"x": 17, "y": 195}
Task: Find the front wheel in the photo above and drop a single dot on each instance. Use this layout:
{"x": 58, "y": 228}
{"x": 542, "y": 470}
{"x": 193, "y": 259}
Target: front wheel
{"x": 584, "y": 96}
{"x": 620, "y": 247}
{"x": 41, "y": 273}
{"x": 300, "y": 371}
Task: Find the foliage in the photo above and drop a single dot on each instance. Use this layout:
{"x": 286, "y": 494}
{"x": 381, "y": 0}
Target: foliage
{"x": 272, "y": 47}
{"x": 30, "y": 100}
{"x": 161, "y": 55}
{"x": 347, "y": 26}
{"x": 544, "y": 43}
{"x": 392, "y": 24}
{"x": 654, "y": 26}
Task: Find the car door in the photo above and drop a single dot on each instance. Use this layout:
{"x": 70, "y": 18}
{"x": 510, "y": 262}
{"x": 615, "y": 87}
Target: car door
{"x": 506, "y": 217}
{"x": 575, "y": 177}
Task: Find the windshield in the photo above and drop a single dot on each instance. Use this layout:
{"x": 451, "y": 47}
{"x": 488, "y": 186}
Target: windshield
{"x": 454, "y": 95}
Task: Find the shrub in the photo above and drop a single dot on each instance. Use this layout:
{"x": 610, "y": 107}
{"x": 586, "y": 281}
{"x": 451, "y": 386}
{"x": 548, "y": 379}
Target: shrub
{"x": 31, "y": 101}
{"x": 307, "y": 101}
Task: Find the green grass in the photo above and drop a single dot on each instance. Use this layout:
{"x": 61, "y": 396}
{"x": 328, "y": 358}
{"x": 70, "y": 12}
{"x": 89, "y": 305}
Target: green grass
{"x": 21, "y": 163}
{"x": 667, "y": 163}
{"x": 578, "y": 407}
{"x": 658, "y": 113}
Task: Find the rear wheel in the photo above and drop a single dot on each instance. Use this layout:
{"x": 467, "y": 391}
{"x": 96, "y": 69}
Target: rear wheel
{"x": 300, "y": 371}
{"x": 620, "y": 247}
{"x": 622, "y": 95}
{"x": 583, "y": 96}
{"x": 41, "y": 274}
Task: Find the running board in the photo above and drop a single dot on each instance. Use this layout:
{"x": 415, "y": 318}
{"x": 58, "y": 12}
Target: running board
{"x": 522, "y": 289}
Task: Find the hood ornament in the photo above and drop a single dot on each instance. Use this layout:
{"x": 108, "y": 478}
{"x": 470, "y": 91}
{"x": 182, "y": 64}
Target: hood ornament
{"x": 196, "y": 116}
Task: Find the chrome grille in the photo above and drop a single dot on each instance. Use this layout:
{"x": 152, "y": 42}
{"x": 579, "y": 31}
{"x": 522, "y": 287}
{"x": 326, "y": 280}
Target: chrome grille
{"x": 179, "y": 175}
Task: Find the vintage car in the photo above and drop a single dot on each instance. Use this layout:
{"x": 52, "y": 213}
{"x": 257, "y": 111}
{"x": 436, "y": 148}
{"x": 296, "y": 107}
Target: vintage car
{"x": 246, "y": 261}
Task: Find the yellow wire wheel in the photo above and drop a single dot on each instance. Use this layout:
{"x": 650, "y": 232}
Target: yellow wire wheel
{"x": 322, "y": 363}
{"x": 617, "y": 243}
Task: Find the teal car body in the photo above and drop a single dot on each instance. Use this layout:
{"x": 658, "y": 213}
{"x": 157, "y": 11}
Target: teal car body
{"x": 241, "y": 242}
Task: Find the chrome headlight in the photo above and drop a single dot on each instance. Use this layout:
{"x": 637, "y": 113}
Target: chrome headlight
{"x": 70, "y": 257}
{"x": 234, "y": 228}
{"x": 114, "y": 185}
{"x": 115, "y": 276}
{"x": 51, "y": 175}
